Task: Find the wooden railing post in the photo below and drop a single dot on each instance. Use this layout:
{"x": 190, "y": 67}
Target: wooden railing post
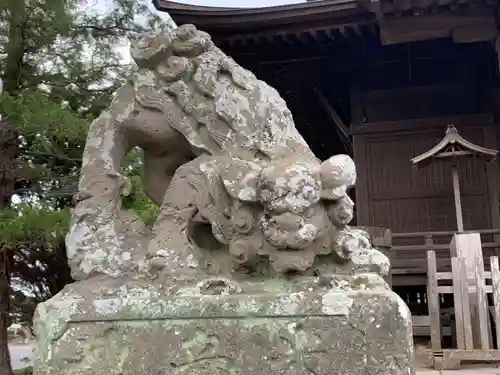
{"x": 429, "y": 242}
{"x": 404, "y": 265}
{"x": 462, "y": 304}
{"x": 433, "y": 301}
{"x": 495, "y": 282}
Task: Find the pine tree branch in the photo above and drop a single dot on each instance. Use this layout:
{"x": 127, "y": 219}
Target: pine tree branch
{"x": 105, "y": 30}
{"x": 58, "y": 156}
{"x": 59, "y": 193}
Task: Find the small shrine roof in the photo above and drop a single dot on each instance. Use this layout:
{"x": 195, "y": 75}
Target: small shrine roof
{"x": 453, "y": 146}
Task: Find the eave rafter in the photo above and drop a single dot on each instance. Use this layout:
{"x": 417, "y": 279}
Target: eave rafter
{"x": 400, "y": 21}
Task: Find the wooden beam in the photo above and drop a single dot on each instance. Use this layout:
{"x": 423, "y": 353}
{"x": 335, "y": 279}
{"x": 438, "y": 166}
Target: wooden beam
{"x": 496, "y": 42}
{"x": 464, "y": 27}
{"x": 314, "y": 34}
{"x": 490, "y": 140}
{"x": 483, "y": 119}
{"x": 330, "y": 33}
{"x": 297, "y": 30}
{"x": 344, "y": 129}
{"x": 362, "y": 198}
{"x": 341, "y": 126}
{"x": 452, "y": 357}
{"x": 284, "y": 37}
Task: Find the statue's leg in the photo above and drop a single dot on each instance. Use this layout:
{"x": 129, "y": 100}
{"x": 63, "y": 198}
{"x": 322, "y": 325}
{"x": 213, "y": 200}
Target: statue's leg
{"x": 170, "y": 248}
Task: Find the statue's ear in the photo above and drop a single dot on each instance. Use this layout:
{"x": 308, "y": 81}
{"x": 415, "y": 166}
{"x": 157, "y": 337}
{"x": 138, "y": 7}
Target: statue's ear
{"x": 241, "y": 179}
{"x": 337, "y": 174}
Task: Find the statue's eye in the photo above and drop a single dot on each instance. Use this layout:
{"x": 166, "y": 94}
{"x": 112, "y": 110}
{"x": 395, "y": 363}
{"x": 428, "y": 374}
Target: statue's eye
{"x": 143, "y": 42}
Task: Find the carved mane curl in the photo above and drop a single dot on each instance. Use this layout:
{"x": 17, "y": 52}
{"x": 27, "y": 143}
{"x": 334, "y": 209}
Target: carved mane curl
{"x": 210, "y": 99}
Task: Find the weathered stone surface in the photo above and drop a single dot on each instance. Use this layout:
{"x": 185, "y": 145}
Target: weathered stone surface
{"x": 271, "y": 327}
{"x": 251, "y": 266}
{"x": 219, "y": 144}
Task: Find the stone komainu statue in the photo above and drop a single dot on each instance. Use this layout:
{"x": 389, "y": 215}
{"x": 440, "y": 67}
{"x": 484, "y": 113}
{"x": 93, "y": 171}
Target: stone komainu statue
{"x": 221, "y": 145}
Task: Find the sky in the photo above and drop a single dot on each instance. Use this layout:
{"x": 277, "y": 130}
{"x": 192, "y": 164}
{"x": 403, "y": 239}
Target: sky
{"x": 240, "y": 3}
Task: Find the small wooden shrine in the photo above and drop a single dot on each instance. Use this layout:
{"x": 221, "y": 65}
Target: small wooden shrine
{"x": 470, "y": 310}
{"x": 451, "y": 149}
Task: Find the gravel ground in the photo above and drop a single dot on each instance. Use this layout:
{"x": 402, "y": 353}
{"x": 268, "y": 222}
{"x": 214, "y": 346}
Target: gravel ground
{"x": 21, "y": 355}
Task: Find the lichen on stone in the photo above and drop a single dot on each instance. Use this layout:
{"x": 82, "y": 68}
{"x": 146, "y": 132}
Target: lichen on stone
{"x": 251, "y": 266}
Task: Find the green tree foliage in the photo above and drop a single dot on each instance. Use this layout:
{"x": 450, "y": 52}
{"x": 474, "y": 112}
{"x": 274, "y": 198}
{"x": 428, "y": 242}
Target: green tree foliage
{"x": 39, "y": 263}
{"x": 59, "y": 68}
{"x": 138, "y": 201}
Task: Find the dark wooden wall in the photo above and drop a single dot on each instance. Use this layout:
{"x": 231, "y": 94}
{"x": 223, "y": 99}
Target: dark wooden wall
{"x": 392, "y": 194}
{"x": 417, "y": 102}
{"x": 372, "y": 86}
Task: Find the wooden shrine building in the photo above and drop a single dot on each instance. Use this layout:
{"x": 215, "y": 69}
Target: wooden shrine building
{"x": 382, "y": 80}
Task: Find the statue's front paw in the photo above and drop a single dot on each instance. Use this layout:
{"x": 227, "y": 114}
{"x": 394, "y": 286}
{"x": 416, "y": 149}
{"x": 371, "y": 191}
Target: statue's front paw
{"x": 152, "y": 265}
{"x": 371, "y": 260}
{"x": 368, "y": 281}
{"x": 170, "y": 263}
{"x": 159, "y": 259}
{"x": 218, "y": 286}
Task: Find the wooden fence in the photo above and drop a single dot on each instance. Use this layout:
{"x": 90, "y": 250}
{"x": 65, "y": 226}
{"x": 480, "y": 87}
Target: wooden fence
{"x": 469, "y": 290}
{"x": 409, "y": 272}
{"x": 409, "y": 249}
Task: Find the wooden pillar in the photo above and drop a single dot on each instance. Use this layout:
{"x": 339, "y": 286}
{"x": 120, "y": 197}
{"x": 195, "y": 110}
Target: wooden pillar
{"x": 362, "y": 198}
{"x": 468, "y": 246}
{"x": 496, "y": 44}
{"x": 359, "y": 150}
{"x": 458, "y": 201}
{"x": 490, "y": 135}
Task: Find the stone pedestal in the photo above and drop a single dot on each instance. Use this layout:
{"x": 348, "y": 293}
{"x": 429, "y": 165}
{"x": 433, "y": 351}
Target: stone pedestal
{"x": 277, "y": 326}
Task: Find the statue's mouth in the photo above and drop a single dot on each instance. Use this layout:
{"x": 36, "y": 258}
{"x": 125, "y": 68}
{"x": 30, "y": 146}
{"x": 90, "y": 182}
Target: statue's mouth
{"x": 287, "y": 231}
{"x": 288, "y": 241}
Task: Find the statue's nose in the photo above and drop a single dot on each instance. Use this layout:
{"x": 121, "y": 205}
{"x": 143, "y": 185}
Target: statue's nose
{"x": 289, "y": 231}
